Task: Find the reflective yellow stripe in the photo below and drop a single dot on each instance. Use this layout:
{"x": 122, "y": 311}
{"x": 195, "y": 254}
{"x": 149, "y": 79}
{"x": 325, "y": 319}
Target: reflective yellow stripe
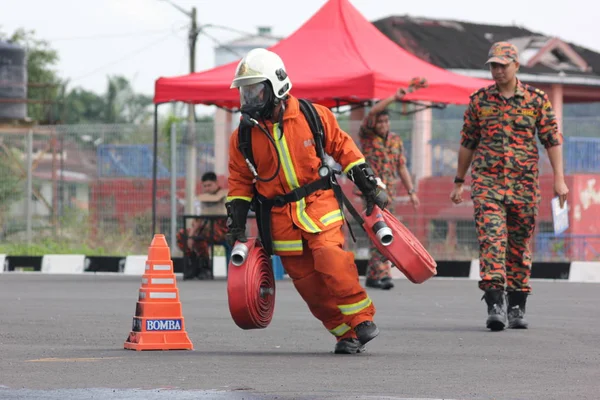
{"x": 287, "y": 245}
{"x": 304, "y": 219}
{"x": 355, "y": 163}
{"x": 292, "y": 181}
{"x": 332, "y": 217}
{"x": 349, "y": 309}
{"x": 229, "y": 198}
{"x": 340, "y": 330}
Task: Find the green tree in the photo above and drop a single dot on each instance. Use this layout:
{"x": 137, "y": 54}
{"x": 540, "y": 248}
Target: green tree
{"x": 43, "y": 81}
{"x": 119, "y": 105}
{"x": 123, "y": 105}
{"x": 82, "y": 106}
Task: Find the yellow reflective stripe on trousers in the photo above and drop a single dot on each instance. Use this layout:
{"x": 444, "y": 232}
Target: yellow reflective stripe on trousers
{"x": 229, "y": 198}
{"x": 331, "y": 217}
{"x": 292, "y": 181}
{"x": 353, "y": 164}
{"x": 349, "y": 309}
{"x": 340, "y": 330}
{"x": 287, "y": 245}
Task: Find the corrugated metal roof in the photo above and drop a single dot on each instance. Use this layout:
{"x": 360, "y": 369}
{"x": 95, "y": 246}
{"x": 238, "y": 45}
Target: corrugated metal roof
{"x": 458, "y": 45}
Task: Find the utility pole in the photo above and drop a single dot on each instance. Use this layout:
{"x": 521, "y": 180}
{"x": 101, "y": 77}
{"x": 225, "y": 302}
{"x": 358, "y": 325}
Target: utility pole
{"x": 189, "y": 139}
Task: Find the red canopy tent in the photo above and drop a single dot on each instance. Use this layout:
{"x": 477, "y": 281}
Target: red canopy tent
{"x": 337, "y": 57}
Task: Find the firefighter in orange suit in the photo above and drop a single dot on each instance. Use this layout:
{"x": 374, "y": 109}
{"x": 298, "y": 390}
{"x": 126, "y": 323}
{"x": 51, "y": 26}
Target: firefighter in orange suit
{"x": 298, "y": 213}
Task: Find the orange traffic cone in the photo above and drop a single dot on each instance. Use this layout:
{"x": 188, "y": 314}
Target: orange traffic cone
{"x": 158, "y": 321}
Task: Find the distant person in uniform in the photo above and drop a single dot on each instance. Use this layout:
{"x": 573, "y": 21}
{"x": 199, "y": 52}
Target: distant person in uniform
{"x": 384, "y": 151}
{"x": 498, "y": 143}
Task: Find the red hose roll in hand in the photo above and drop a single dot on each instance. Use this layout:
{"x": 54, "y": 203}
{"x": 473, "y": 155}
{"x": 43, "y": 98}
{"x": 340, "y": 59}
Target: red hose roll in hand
{"x": 250, "y": 285}
{"x": 399, "y": 245}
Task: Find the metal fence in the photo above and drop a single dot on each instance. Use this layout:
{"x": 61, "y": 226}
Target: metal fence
{"x": 88, "y": 188}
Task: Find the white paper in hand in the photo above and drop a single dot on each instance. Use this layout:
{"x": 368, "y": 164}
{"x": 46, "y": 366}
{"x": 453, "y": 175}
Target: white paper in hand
{"x": 560, "y": 216}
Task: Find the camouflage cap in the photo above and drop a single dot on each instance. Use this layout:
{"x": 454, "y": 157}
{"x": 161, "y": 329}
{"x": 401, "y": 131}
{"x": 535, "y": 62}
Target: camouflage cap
{"x": 503, "y": 53}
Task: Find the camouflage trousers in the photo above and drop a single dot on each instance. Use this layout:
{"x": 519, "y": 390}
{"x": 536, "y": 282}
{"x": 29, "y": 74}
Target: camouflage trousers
{"x": 378, "y": 266}
{"x": 200, "y": 246}
{"x": 504, "y": 232}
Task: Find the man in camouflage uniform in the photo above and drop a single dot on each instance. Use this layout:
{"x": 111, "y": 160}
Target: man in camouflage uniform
{"x": 498, "y": 143}
{"x": 384, "y": 151}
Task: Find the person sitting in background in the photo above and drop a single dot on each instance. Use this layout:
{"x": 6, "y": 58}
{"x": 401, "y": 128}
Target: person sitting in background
{"x": 195, "y": 243}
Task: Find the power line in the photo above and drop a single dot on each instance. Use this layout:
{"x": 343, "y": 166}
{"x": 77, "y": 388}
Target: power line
{"x": 217, "y": 41}
{"x": 111, "y": 35}
{"x": 129, "y": 55}
{"x": 139, "y": 50}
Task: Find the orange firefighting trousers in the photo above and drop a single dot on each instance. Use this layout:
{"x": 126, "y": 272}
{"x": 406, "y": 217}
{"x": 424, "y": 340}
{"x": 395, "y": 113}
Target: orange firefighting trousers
{"x": 326, "y": 277}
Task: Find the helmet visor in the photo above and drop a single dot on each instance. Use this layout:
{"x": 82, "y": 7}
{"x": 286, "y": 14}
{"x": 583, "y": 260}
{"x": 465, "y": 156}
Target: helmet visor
{"x": 253, "y": 95}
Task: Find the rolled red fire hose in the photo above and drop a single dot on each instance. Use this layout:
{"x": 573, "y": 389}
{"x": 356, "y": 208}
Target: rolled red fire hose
{"x": 405, "y": 251}
{"x": 251, "y": 286}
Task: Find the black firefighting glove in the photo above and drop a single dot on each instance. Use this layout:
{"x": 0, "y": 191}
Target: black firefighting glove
{"x": 363, "y": 177}
{"x": 237, "y": 214}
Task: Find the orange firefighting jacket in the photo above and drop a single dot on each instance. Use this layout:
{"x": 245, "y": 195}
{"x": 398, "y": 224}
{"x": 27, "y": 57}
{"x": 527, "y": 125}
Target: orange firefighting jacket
{"x": 299, "y": 166}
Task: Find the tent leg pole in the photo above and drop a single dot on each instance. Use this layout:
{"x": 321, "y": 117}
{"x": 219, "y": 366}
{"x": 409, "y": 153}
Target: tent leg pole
{"x": 154, "y": 169}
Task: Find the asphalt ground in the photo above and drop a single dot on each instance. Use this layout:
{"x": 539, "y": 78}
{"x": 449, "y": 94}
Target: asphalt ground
{"x": 61, "y": 337}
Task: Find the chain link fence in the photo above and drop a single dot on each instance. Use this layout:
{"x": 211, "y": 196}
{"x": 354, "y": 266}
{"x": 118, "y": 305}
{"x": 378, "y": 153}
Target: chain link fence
{"x": 88, "y": 188}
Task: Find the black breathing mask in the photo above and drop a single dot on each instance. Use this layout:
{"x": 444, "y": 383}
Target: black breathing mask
{"x": 257, "y": 100}
{"x": 257, "y": 103}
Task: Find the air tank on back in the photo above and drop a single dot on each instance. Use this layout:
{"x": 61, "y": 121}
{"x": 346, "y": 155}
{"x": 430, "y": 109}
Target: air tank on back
{"x": 13, "y": 82}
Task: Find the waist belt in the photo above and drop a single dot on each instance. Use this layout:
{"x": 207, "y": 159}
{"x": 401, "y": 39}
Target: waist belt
{"x": 296, "y": 194}
{"x": 264, "y": 206}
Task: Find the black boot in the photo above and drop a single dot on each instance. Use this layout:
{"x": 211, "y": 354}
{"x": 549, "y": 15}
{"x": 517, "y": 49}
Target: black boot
{"x": 516, "y": 310}
{"x": 349, "y": 346}
{"x": 386, "y": 283}
{"x": 383, "y": 283}
{"x": 190, "y": 266}
{"x": 204, "y": 270}
{"x": 373, "y": 283}
{"x": 366, "y": 331}
{"x": 496, "y": 320}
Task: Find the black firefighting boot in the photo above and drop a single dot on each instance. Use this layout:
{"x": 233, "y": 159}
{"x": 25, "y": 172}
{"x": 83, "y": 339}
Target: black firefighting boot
{"x": 366, "y": 331}
{"x": 516, "y": 310}
{"x": 496, "y": 320}
{"x": 349, "y": 346}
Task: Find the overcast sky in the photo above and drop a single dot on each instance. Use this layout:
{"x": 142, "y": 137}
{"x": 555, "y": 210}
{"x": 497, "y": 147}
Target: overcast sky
{"x": 146, "y": 39}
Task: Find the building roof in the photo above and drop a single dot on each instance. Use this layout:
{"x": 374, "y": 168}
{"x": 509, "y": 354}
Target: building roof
{"x": 458, "y": 45}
